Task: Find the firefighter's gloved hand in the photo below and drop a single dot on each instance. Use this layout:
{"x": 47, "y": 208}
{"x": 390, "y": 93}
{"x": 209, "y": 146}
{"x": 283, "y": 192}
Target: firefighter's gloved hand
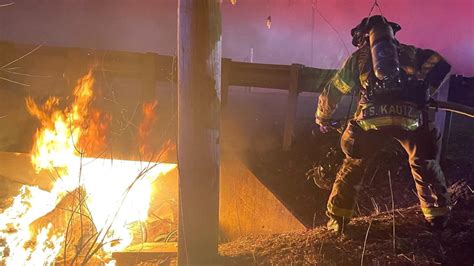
{"x": 325, "y": 129}
{"x": 326, "y": 126}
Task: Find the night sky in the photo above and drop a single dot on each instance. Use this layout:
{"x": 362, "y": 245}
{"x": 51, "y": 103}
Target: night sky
{"x": 444, "y": 25}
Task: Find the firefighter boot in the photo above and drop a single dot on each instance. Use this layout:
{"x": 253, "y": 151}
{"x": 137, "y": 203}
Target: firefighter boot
{"x": 438, "y": 223}
{"x": 337, "y": 224}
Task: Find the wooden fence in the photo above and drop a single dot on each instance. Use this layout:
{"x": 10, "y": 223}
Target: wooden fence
{"x": 151, "y": 68}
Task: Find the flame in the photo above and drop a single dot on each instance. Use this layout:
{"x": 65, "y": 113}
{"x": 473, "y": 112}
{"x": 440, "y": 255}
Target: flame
{"x": 55, "y": 142}
{"x": 115, "y": 193}
{"x": 145, "y": 127}
{"x": 18, "y": 248}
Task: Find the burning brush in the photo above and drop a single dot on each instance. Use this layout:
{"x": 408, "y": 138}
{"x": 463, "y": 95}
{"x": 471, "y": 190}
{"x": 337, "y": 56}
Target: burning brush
{"x": 94, "y": 205}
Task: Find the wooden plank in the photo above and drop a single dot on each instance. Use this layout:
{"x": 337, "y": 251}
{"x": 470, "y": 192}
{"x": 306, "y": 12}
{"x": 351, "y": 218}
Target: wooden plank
{"x": 130, "y": 65}
{"x": 5, "y": 52}
{"x": 76, "y": 66}
{"x": 292, "y": 106}
{"x": 199, "y": 102}
{"x": 157, "y": 247}
{"x": 248, "y": 206}
{"x": 17, "y": 167}
{"x": 260, "y": 75}
{"x": 314, "y": 79}
{"x": 141, "y": 253}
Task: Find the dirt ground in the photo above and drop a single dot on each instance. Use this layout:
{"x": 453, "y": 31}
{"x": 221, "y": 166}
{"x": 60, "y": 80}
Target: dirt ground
{"x": 414, "y": 243}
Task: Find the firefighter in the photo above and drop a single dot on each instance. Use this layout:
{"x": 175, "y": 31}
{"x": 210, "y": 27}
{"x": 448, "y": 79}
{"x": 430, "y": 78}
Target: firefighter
{"x": 394, "y": 82}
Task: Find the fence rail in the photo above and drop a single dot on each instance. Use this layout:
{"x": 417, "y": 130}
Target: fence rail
{"x": 153, "y": 67}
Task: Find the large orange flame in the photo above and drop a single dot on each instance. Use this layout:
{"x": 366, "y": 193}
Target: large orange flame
{"x": 65, "y": 134}
{"x": 116, "y": 192}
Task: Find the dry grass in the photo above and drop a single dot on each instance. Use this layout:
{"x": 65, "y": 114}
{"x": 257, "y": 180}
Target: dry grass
{"x": 318, "y": 246}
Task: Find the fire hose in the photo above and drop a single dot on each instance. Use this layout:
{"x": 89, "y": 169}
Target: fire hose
{"x": 452, "y": 107}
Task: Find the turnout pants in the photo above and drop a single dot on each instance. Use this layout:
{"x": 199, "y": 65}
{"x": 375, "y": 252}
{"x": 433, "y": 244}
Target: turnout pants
{"x": 422, "y": 148}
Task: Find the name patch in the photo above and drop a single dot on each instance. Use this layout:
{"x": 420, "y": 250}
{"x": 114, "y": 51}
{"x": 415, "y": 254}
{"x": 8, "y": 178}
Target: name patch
{"x": 390, "y": 110}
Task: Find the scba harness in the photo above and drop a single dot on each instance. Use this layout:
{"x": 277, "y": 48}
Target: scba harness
{"x": 386, "y": 73}
{"x": 399, "y": 102}
{"x": 390, "y": 97}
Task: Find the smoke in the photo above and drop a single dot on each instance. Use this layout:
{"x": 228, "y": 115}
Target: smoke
{"x": 445, "y": 26}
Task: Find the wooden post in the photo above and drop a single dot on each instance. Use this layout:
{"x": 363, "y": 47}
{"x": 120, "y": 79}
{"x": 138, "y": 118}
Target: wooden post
{"x": 199, "y": 96}
{"x": 292, "y": 106}
{"x": 148, "y": 77}
{"x": 442, "y": 119}
{"x": 250, "y": 89}
{"x": 226, "y": 63}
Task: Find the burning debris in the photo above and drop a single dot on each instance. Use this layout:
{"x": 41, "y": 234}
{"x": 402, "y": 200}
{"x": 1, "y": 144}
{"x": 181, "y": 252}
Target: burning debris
{"x": 145, "y": 128}
{"x": 95, "y": 206}
{"x": 19, "y": 243}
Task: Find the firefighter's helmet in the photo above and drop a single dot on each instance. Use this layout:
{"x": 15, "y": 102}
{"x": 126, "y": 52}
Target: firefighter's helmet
{"x": 360, "y": 32}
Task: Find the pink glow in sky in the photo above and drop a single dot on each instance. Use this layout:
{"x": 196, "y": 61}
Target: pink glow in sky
{"x": 443, "y": 25}
{"x": 150, "y": 26}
